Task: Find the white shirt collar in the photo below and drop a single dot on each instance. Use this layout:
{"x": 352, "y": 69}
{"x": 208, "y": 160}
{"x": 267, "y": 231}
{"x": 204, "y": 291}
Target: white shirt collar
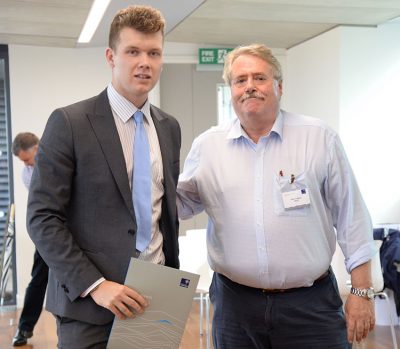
{"x": 237, "y": 130}
{"x": 123, "y": 107}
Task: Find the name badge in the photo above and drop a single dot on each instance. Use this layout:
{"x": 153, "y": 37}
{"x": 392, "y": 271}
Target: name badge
{"x": 296, "y": 198}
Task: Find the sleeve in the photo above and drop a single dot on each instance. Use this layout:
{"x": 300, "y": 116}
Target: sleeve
{"x": 49, "y": 208}
{"x": 349, "y": 212}
{"x": 188, "y": 198}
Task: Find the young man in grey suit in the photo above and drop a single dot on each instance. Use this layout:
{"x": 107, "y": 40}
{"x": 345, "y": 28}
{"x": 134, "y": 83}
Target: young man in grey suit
{"x": 82, "y": 215}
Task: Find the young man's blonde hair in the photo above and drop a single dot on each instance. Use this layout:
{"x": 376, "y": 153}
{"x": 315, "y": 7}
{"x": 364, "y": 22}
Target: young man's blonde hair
{"x": 258, "y": 50}
{"x": 144, "y": 19}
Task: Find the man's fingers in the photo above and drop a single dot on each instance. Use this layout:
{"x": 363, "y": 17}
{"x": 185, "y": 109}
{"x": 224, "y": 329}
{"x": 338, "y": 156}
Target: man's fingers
{"x": 366, "y": 330}
{"x": 125, "y": 310}
{"x": 359, "y": 331}
{"x": 137, "y": 297}
{"x": 372, "y": 325}
{"x": 350, "y": 332}
{"x": 121, "y": 300}
{"x": 116, "y": 312}
{"x": 133, "y": 305}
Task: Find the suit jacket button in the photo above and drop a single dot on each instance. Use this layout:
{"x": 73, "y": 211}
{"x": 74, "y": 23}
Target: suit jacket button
{"x": 131, "y": 231}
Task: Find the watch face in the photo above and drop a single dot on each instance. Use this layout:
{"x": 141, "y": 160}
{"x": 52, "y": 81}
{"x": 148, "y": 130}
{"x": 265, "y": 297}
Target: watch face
{"x": 370, "y": 293}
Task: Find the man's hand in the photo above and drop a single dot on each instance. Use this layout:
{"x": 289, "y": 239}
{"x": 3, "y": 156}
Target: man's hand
{"x": 360, "y": 317}
{"x": 119, "y": 299}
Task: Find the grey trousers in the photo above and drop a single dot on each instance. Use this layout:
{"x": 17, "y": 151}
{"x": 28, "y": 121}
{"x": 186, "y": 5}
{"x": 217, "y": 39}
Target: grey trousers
{"x": 73, "y": 334}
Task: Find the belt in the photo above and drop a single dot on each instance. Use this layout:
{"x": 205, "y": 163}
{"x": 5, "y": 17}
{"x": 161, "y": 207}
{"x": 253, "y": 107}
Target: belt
{"x": 285, "y": 290}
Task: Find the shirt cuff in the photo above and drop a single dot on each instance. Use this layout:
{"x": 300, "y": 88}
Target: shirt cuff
{"x": 92, "y": 287}
{"x": 364, "y": 254}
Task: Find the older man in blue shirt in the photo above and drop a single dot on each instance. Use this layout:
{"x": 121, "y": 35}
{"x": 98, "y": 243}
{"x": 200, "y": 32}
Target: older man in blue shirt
{"x": 278, "y": 190}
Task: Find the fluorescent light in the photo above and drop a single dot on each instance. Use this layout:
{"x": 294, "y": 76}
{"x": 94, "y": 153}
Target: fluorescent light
{"x": 92, "y": 21}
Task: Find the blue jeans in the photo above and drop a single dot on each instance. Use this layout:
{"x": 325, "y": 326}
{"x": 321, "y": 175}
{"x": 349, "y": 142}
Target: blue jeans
{"x": 307, "y": 317}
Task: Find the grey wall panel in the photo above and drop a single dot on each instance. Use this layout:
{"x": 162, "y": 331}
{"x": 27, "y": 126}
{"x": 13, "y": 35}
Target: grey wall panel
{"x": 190, "y": 96}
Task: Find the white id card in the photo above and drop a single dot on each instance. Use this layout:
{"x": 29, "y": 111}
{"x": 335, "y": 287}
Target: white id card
{"x": 296, "y": 198}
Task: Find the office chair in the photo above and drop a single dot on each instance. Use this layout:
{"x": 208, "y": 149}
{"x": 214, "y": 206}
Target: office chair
{"x": 344, "y": 283}
{"x": 193, "y": 258}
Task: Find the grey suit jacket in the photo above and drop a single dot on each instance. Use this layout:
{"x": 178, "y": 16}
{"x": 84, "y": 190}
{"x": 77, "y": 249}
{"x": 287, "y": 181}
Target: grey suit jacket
{"x": 80, "y": 211}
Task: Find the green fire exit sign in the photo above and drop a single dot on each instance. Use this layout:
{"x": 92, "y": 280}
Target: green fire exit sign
{"x": 213, "y": 55}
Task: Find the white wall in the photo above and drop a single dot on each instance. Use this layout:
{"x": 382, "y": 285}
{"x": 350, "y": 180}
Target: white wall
{"x": 370, "y": 114}
{"x": 313, "y": 78}
{"x": 191, "y": 96}
{"x": 350, "y": 77}
{"x": 41, "y": 80}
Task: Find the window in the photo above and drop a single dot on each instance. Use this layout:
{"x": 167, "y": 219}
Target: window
{"x": 6, "y": 191}
{"x": 225, "y": 109}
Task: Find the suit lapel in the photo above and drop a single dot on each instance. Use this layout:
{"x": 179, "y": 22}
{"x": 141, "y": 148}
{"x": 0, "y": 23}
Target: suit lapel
{"x": 106, "y": 132}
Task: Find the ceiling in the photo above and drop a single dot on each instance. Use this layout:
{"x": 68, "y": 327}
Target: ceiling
{"x": 278, "y": 23}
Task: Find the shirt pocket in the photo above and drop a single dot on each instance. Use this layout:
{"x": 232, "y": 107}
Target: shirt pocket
{"x": 282, "y": 184}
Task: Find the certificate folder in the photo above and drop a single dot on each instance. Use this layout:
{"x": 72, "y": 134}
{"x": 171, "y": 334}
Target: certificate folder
{"x": 170, "y": 294}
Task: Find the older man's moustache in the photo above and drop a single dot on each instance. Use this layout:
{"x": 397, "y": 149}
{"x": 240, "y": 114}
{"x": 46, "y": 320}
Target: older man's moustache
{"x": 251, "y": 95}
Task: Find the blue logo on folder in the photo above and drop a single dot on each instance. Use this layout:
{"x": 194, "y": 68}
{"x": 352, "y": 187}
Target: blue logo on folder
{"x": 184, "y": 282}
{"x": 166, "y": 322}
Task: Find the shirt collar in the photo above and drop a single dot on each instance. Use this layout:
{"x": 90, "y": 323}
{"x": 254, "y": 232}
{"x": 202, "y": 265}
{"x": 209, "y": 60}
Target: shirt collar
{"x": 277, "y": 128}
{"x": 124, "y": 108}
{"x": 237, "y": 131}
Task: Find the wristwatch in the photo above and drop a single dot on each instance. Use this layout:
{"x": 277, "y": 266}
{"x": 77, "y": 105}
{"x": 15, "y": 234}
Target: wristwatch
{"x": 363, "y": 292}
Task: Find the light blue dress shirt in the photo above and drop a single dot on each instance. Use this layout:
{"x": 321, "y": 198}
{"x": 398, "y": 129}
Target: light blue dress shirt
{"x": 252, "y": 239}
{"x": 122, "y": 111}
{"x": 27, "y": 175}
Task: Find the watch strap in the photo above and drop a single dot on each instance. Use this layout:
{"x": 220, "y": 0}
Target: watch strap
{"x": 363, "y": 292}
